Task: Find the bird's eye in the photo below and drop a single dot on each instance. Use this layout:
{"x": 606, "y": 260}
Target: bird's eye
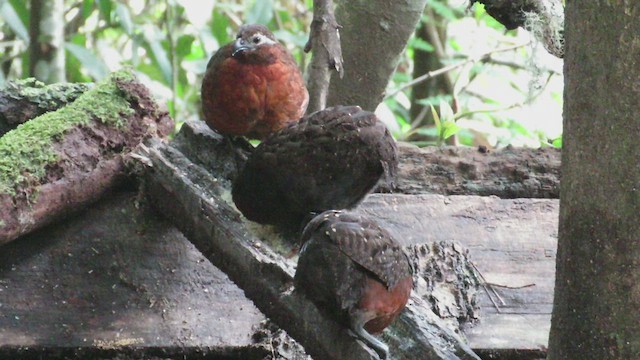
{"x": 256, "y": 39}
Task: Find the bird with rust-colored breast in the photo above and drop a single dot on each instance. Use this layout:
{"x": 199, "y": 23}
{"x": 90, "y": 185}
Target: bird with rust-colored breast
{"x": 252, "y": 86}
{"x": 353, "y": 269}
{"x": 330, "y": 159}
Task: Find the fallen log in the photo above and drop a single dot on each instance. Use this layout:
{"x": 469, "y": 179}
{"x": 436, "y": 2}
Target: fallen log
{"x": 62, "y": 160}
{"x": 507, "y": 173}
{"x": 23, "y": 100}
{"x": 193, "y": 199}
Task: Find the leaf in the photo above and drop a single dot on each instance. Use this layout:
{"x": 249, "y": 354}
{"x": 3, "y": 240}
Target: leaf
{"x": 557, "y": 142}
{"x": 436, "y": 118}
{"x": 9, "y": 13}
{"x": 87, "y": 8}
{"x": 105, "y": 7}
{"x": 261, "y": 12}
{"x": 442, "y": 9}
{"x": 94, "y": 65}
{"x": 219, "y": 26}
{"x": 427, "y": 131}
{"x": 446, "y": 112}
{"x": 421, "y": 44}
{"x": 124, "y": 17}
{"x": 160, "y": 56}
{"x": 21, "y": 9}
{"x": 449, "y": 128}
{"x": 183, "y": 47}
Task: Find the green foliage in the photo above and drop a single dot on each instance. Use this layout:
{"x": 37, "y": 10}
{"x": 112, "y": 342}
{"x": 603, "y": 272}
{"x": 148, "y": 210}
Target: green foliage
{"x": 168, "y": 43}
{"x": 445, "y": 122}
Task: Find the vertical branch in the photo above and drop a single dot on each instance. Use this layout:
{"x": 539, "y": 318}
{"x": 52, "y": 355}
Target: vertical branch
{"x": 374, "y": 36}
{"x": 46, "y": 47}
{"x": 169, "y": 19}
{"x": 327, "y": 54}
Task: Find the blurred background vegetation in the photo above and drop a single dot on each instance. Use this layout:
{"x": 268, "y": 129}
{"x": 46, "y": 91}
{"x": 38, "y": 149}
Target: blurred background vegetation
{"x": 501, "y": 88}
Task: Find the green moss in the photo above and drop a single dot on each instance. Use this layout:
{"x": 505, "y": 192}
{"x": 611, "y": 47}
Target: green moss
{"x": 47, "y": 97}
{"x": 27, "y": 150}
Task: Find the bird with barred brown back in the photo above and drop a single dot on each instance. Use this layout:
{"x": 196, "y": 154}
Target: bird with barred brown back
{"x": 355, "y": 271}
{"x": 252, "y": 86}
{"x": 330, "y": 159}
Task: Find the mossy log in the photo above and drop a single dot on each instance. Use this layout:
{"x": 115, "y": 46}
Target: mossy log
{"x": 62, "y": 160}
{"x": 23, "y": 100}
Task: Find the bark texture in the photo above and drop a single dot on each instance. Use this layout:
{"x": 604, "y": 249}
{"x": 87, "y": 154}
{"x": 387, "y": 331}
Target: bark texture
{"x": 327, "y": 53}
{"x": 597, "y": 295}
{"x": 63, "y": 160}
{"x": 507, "y": 173}
{"x": 374, "y": 35}
{"x": 47, "y": 41}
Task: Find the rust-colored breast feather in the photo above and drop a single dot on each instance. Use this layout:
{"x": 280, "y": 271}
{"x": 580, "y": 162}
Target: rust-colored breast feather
{"x": 253, "y": 99}
{"x": 354, "y": 268}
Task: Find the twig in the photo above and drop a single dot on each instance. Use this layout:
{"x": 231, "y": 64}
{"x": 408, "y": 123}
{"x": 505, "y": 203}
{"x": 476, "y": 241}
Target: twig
{"x": 486, "y": 289}
{"x": 327, "y": 53}
{"x": 512, "y": 287}
{"x": 480, "y": 111}
{"x": 451, "y": 67}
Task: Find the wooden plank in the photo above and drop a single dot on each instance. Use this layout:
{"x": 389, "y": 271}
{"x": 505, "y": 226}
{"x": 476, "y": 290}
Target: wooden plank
{"x": 117, "y": 280}
{"x": 512, "y": 242}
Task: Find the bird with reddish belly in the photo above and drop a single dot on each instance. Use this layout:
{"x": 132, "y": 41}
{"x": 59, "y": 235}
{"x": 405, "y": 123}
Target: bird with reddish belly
{"x": 252, "y": 87}
{"x": 354, "y": 269}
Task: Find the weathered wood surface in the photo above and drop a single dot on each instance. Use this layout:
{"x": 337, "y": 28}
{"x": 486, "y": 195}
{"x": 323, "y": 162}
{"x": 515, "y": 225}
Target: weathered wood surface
{"x": 512, "y": 242}
{"x": 508, "y": 173}
{"x": 194, "y": 199}
{"x": 46, "y": 174}
{"x": 116, "y": 282}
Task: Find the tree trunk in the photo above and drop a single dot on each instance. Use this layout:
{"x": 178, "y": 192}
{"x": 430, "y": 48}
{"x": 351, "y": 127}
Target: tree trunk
{"x": 597, "y": 295}
{"x": 374, "y": 35}
{"x": 47, "y": 41}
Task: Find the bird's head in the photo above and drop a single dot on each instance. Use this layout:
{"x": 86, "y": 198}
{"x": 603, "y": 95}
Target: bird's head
{"x": 252, "y": 44}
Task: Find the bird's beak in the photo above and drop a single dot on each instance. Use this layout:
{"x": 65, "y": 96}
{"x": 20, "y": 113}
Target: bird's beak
{"x": 239, "y": 46}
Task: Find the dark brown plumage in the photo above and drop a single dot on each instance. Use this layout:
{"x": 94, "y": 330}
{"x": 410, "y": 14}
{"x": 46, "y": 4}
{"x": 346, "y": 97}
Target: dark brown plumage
{"x": 330, "y": 159}
{"x": 252, "y": 86}
{"x": 354, "y": 269}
